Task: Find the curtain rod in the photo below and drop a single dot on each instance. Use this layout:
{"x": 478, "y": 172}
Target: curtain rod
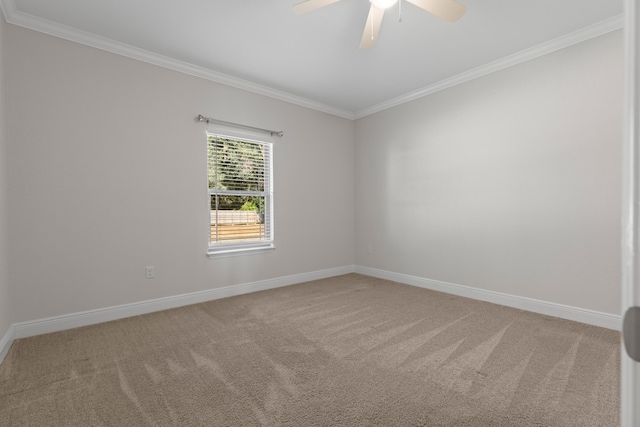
{"x": 202, "y": 118}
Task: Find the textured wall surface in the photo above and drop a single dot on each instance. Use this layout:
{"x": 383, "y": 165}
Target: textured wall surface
{"x": 509, "y": 183}
{"x": 111, "y": 177}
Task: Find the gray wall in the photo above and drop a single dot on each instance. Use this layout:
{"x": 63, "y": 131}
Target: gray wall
{"x": 111, "y": 177}
{"x": 5, "y": 302}
{"x": 508, "y": 183}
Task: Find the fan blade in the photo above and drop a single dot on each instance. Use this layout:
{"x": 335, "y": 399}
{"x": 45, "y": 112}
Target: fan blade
{"x": 371, "y": 28}
{"x": 449, "y": 10}
{"x": 311, "y": 5}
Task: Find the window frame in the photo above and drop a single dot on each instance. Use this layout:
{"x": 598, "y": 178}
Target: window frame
{"x": 244, "y": 248}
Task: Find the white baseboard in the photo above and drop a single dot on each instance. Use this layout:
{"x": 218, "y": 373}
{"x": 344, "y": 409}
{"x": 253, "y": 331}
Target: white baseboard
{"x": 75, "y": 320}
{"x": 6, "y": 341}
{"x": 590, "y": 317}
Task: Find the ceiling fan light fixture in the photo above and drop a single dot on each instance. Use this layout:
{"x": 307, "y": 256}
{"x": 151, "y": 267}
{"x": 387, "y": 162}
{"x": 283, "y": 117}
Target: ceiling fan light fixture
{"x": 447, "y": 10}
{"x": 383, "y": 4}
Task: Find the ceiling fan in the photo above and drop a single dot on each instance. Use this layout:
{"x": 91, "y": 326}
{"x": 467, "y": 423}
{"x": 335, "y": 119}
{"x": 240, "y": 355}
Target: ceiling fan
{"x": 448, "y": 10}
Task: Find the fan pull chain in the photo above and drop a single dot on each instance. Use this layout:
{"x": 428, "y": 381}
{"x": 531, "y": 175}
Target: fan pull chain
{"x": 399, "y": 10}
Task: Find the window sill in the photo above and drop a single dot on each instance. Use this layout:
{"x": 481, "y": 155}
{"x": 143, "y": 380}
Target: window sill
{"x": 238, "y": 251}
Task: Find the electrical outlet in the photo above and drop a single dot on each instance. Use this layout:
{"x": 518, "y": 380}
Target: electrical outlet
{"x": 150, "y": 272}
{"x": 369, "y": 249}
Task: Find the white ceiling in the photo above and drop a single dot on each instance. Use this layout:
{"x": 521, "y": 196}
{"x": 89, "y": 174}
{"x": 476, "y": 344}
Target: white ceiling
{"x": 313, "y": 59}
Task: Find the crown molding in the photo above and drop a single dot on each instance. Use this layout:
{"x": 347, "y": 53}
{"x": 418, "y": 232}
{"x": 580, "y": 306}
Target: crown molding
{"x": 8, "y": 8}
{"x": 16, "y": 17}
{"x": 570, "y": 39}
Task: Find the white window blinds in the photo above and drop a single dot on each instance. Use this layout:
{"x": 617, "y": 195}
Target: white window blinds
{"x": 240, "y": 193}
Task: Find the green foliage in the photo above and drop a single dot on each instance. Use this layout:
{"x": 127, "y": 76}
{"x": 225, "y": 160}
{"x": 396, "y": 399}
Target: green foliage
{"x": 238, "y": 166}
{"x": 249, "y": 205}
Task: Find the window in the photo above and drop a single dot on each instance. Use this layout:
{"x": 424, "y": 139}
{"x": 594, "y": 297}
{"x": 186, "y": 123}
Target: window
{"x": 240, "y": 192}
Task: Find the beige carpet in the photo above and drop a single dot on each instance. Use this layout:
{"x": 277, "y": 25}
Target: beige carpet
{"x": 346, "y": 351}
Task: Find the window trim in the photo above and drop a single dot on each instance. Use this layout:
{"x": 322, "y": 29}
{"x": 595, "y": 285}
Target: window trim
{"x": 244, "y": 248}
